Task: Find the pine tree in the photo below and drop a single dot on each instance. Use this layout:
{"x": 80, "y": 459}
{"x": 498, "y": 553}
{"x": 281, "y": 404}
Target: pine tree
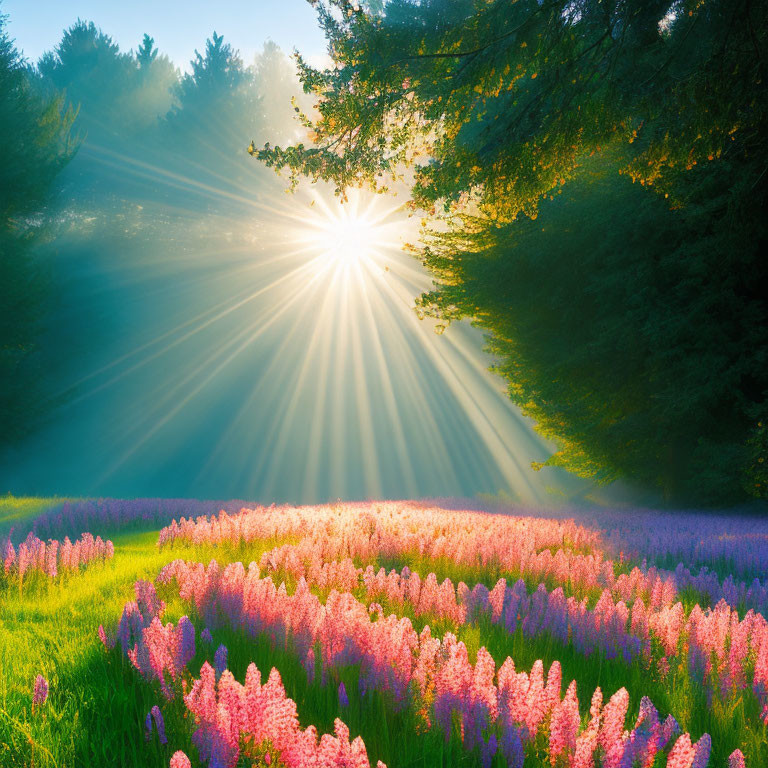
{"x": 36, "y": 146}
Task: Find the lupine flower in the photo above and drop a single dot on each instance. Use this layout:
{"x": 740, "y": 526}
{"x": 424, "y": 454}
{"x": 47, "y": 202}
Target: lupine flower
{"x": 736, "y": 760}
{"x": 40, "y": 694}
{"x": 180, "y": 760}
{"x": 206, "y": 636}
{"x": 702, "y": 748}
{"x": 220, "y": 659}
{"x": 229, "y": 713}
{"x": 393, "y": 656}
{"x": 488, "y": 750}
{"x": 343, "y": 698}
{"x": 682, "y": 754}
{"x": 108, "y": 640}
{"x": 36, "y": 556}
{"x": 564, "y": 728}
{"x": 634, "y": 608}
{"x": 186, "y": 644}
{"x": 157, "y": 716}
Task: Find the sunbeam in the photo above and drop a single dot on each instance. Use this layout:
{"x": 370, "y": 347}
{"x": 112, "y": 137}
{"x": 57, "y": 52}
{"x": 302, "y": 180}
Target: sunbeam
{"x": 280, "y": 357}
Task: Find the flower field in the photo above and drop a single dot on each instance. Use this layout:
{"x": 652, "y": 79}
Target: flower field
{"x": 382, "y": 633}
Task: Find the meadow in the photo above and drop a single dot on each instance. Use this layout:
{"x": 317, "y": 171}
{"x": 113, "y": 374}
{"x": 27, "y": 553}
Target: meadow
{"x": 184, "y": 633}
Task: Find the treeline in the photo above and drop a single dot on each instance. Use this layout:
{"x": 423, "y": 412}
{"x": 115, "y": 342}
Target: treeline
{"x": 92, "y": 128}
{"x": 147, "y": 126}
{"x": 36, "y": 141}
{"x": 594, "y": 176}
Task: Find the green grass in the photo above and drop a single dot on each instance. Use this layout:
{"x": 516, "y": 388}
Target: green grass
{"x": 14, "y": 509}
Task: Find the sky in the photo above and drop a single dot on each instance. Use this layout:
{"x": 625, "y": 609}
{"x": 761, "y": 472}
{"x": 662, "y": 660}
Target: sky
{"x": 177, "y": 27}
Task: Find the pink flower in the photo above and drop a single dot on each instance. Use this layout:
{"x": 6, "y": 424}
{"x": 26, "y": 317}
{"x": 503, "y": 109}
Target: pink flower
{"x": 180, "y": 760}
{"x": 736, "y": 760}
{"x": 682, "y": 753}
{"x": 107, "y": 640}
{"x": 41, "y": 691}
{"x": 564, "y": 728}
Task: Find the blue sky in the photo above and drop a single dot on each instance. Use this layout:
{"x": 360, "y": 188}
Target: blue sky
{"x": 177, "y": 26}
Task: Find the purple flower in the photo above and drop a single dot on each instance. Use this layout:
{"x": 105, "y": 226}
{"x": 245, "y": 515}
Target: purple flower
{"x": 343, "y": 698}
{"x": 206, "y": 636}
{"x": 512, "y": 746}
{"x": 159, "y": 723}
{"x": 157, "y": 715}
{"x": 187, "y": 644}
{"x": 220, "y": 660}
{"x": 488, "y": 750}
{"x": 41, "y": 691}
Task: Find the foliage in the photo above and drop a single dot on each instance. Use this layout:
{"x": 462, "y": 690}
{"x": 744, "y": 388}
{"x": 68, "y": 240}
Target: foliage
{"x": 217, "y": 103}
{"x": 116, "y": 93}
{"x": 756, "y": 474}
{"x": 35, "y": 137}
{"x": 639, "y": 345}
{"x": 630, "y": 324}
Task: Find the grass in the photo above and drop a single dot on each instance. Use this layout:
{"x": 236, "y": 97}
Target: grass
{"x": 14, "y": 509}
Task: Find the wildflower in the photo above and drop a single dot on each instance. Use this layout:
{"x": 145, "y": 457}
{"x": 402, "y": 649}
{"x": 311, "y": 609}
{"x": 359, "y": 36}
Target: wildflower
{"x": 220, "y": 660}
{"x": 156, "y": 715}
{"x": 180, "y": 760}
{"x": 206, "y": 636}
{"x": 186, "y": 644}
{"x": 41, "y": 691}
{"x": 682, "y": 754}
{"x": 702, "y": 748}
{"x": 736, "y": 760}
{"x": 564, "y": 728}
{"x": 108, "y": 640}
{"x": 488, "y": 750}
{"x": 343, "y": 698}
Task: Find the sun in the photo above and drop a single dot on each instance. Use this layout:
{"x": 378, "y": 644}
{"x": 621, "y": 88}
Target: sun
{"x": 346, "y": 239}
{"x": 350, "y": 236}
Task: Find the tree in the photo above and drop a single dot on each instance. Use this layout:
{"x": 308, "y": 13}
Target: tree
{"x": 89, "y": 68}
{"x": 278, "y": 87}
{"x": 35, "y": 136}
{"x": 146, "y": 54}
{"x": 524, "y": 124}
{"x": 151, "y": 96}
{"x": 118, "y": 95}
{"x": 217, "y": 102}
